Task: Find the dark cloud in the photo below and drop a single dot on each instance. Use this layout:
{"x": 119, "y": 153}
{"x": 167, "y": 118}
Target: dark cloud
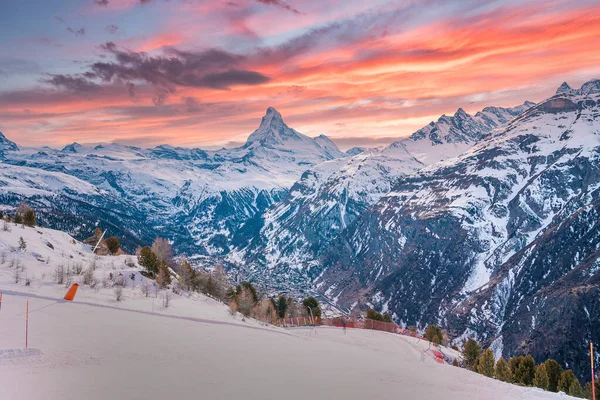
{"x": 112, "y": 29}
{"x": 222, "y": 80}
{"x": 211, "y": 68}
{"x": 102, "y": 3}
{"x": 280, "y": 4}
{"x": 72, "y": 83}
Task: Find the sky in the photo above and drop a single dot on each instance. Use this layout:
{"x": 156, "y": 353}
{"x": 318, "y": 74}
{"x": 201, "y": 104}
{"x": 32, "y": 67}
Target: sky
{"x": 202, "y": 73}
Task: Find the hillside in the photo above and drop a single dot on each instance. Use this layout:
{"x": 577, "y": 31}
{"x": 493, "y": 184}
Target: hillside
{"x": 101, "y": 349}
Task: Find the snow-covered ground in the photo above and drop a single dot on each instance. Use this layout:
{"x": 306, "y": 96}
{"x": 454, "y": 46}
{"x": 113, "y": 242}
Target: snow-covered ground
{"x": 98, "y": 348}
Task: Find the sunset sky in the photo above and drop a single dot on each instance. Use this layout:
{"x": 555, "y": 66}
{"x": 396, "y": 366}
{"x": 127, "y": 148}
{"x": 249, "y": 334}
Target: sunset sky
{"x": 202, "y": 73}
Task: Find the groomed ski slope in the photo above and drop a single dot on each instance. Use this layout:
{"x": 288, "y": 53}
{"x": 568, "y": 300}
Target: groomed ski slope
{"x": 97, "y": 348}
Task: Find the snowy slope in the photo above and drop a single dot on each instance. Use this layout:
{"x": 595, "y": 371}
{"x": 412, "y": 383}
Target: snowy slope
{"x": 48, "y": 250}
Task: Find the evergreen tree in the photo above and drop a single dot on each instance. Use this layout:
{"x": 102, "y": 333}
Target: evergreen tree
{"x": 522, "y": 369}
{"x": 113, "y": 244}
{"x": 374, "y": 315}
{"x": 434, "y": 334}
{"x": 387, "y": 318}
{"x": 575, "y": 389}
{"x": 281, "y": 306}
{"x": 485, "y": 366}
{"x": 313, "y": 304}
{"x": 566, "y": 382}
{"x": 29, "y": 218}
{"x": 148, "y": 260}
{"x": 22, "y": 244}
{"x": 164, "y": 275}
{"x": 540, "y": 378}
{"x": 554, "y": 370}
{"x": 455, "y": 362}
{"x": 587, "y": 390}
{"x": 18, "y": 219}
{"x": 471, "y": 352}
{"x": 1, "y": 214}
{"x": 502, "y": 372}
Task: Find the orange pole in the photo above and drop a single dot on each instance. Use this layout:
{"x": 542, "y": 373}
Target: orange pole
{"x": 593, "y": 377}
{"x": 71, "y": 292}
{"x": 26, "y": 322}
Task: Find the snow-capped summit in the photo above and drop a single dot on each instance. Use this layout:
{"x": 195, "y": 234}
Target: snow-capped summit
{"x": 273, "y": 133}
{"x": 564, "y": 88}
{"x": 72, "y": 148}
{"x": 589, "y": 87}
{"x": 7, "y": 145}
{"x": 272, "y": 130}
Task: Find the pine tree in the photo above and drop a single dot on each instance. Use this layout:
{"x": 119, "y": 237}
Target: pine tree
{"x": 522, "y": 369}
{"x": 485, "y": 366}
{"x": 455, "y": 362}
{"x": 388, "y": 318}
{"x": 566, "y": 382}
{"x": 113, "y": 244}
{"x": 18, "y": 219}
{"x": 587, "y": 390}
{"x": 540, "y": 378}
{"x": 313, "y": 304}
{"x": 575, "y": 389}
{"x": 471, "y": 352}
{"x": 22, "y": 244}
{"x": 502, "y": 372}
{"x": 164, "y": 275}
{"x": 148, "y": 260}
{"x": 29, "y": 218}
{"x": 554, "y": 370}
{"x": 433, "y": 334}
{"x": 281, "y": 306}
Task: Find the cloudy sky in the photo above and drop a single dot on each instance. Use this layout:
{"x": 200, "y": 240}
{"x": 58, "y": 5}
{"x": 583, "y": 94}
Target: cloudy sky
{"x": 202, "y": 73}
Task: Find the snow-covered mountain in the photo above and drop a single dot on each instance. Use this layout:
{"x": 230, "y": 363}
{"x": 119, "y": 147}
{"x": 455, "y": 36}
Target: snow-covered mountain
{"x": 501, "y": 242}
{"x": 6, "y": 145}
{"x": 200, "y": 199}
{"x": 332, "y": 195}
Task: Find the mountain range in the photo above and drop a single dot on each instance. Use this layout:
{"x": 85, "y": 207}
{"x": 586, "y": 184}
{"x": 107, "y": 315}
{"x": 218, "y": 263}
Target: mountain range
{"x": 485, "y": 224}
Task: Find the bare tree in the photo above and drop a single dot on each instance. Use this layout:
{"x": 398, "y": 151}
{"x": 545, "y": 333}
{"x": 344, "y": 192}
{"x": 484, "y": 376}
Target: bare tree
{"x": 88, "y": 276}
{"x": 245, "y": 302}
{"x": 145, "y": 288}
{"x": 164, "y": 252}
{"x": 118, "y": 293}
{"x": 17, "y": 274}
{"x": 59, "y": 274}
{"x": 77, "y": 268}
{"x": 2, "y": 257}
{"x": 166, "y": 298}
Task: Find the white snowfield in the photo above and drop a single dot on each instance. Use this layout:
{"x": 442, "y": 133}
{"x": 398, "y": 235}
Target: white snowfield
{"x": 98, "y": 348}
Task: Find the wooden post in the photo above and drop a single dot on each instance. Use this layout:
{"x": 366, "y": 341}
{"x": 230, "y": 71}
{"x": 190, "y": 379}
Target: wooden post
{"x": 593, "y": 377}
{"x": 0, "y": 301}
{"x": 26, "y": 322}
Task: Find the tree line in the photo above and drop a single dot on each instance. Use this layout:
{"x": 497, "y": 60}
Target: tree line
{"x": 523, "y": 371}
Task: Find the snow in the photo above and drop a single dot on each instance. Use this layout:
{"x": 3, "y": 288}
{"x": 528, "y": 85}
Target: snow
{"x": 80, "y": 351}
{"x": 97, "y": 348}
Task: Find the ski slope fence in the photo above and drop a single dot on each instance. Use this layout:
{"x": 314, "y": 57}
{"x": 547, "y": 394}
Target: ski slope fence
{"x": 350, "y": 323}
